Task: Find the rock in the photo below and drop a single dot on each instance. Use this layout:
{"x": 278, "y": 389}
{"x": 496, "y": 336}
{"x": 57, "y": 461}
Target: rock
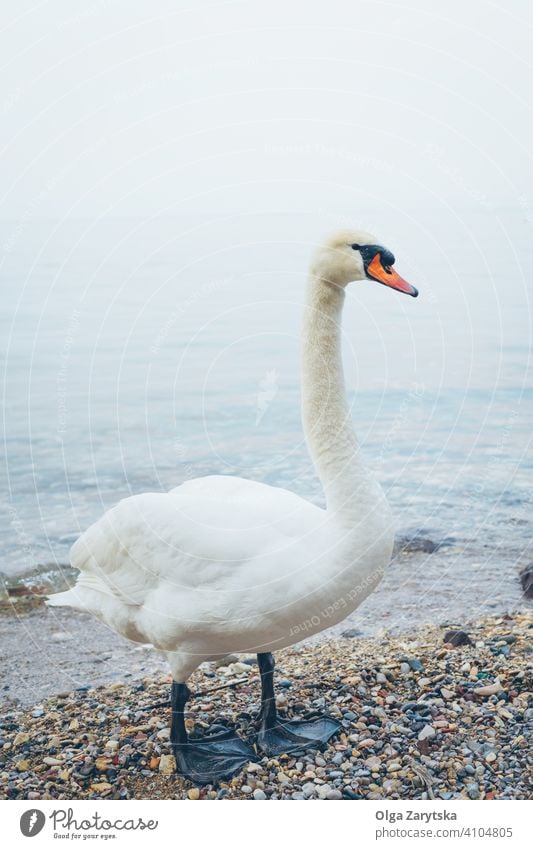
{"x": 418, "y": 543}
{"x": 101, "y": 787}
{"x": 366, "y": 743}
{"x": 447, "y": 694}
{"x": 526, "y": 580}
{"x": 490, "y": 757}
{"x": 351, "y": 632}
{"x": 405, "y": 668}
{"x": 167, "y": 764}
{"x": 21, "y": 738}
{"x": 225, "y": 661}
{"x": 193, "y": 793}
{"x": 489, "y": 689}
{"x": 259, "y": 795}
{"x": 323, "y": 790}
{"x": 334, "y": 794}
{"x": 473, "y": 790}
{"x": 457, "y": 638}
{"x": 426, "y": 732}
{"x": 246, "y": 789}
{"x": 53, "y": 762}
{"x": 240, "y": 668}
{"x": 416, "y": 664}
{"x": 87, "y": 768}
{"x": 373, "y": 763}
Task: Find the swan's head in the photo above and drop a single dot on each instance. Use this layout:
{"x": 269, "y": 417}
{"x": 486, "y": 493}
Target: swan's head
{"x": 350, "y": 255}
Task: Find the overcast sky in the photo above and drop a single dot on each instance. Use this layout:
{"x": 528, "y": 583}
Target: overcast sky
{"x": 121, "y": 108}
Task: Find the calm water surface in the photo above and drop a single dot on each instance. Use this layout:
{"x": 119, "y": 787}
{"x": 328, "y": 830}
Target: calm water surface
{"x": 140, "y": 354}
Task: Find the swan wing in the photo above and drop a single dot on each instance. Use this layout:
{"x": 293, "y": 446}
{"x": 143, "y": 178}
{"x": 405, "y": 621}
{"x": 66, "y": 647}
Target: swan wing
{"x": 200, "y": 534}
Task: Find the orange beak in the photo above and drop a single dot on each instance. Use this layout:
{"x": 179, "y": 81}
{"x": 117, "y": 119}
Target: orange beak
{"x": 389, "y": 277}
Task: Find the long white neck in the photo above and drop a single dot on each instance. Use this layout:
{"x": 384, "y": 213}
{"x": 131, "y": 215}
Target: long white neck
{"x": 348, "y": 486}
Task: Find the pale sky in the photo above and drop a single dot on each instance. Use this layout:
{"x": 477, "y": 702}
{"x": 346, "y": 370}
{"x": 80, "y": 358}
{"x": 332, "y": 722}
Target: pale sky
{"x": 121, "y": 108}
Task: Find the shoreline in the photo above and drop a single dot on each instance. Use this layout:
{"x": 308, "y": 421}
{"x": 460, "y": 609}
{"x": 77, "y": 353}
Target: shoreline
{"x": 52, "y": 650}
{"x": 420, "y": 719}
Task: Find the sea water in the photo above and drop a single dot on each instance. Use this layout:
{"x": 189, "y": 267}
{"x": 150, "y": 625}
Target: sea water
{"x": 139, "y": 354}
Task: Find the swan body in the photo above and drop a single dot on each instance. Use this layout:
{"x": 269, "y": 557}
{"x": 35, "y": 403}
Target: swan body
{"x": 219, "y": 565}
{"x": 222, "y": 564}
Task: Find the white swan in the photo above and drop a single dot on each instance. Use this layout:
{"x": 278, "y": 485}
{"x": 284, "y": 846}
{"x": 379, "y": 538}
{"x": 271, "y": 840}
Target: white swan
{"x": 223, "y": 564}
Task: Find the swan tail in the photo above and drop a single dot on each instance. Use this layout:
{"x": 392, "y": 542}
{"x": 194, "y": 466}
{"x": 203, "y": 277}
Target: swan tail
{"x": 69, "y": 598}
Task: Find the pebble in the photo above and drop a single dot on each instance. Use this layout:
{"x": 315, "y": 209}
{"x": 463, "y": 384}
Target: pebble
{"x": 167, "y": 765}
{"x": 489, "y": 689}
{"x": 21, "y": 737}
{"x": 334, "y": 794}
{"x": 323, "y": 790}
{"x": 473, "y": 790}
{"x": 112, "y": 741}
{"x": 426, "y": 732}
{"x": 457, "y": 638}
{"x": 309, "y": 790}
{"x": 101, "y": 787}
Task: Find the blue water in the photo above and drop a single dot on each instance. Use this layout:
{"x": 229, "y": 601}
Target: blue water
{"x": 138, "y": 354}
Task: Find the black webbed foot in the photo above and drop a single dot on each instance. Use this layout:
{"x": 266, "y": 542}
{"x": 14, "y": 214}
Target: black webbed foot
{"x": 213, "y": 757}
{"x": 275, "y": 736}
{"x": 293, "y": 735}
{"x": 207, "y": 759}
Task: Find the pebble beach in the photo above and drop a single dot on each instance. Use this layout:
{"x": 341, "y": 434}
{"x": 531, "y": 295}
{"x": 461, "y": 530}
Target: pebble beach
{"x": 436, "y": 713}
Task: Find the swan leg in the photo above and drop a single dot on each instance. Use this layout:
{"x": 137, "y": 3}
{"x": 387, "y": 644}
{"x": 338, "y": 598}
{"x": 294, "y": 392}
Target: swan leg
{"x": 207, "y": 759}
{"x": 278, "y": 737}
